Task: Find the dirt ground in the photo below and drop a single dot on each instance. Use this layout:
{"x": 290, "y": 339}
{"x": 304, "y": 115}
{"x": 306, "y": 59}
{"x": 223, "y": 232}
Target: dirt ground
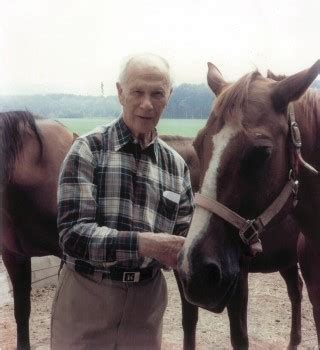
{"x": 269, "y": 317}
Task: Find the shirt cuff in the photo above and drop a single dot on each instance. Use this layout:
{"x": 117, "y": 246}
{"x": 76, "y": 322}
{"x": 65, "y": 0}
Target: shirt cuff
{"x": 127, "y": 246}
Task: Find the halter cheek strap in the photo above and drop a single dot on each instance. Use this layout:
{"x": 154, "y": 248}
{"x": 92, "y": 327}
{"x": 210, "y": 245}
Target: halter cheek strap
{"x": 296, "y": 144}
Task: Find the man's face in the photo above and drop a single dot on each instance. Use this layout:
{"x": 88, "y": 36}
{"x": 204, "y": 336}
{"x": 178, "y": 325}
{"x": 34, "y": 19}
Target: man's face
{"x": 143, "y": 97}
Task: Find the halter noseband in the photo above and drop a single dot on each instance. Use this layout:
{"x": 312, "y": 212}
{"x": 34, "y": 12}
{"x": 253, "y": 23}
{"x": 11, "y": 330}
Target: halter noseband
{"x": 249, "y": 229}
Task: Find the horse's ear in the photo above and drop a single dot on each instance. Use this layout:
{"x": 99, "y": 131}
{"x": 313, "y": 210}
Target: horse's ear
{"x": 275, "y": 77}
{"x": 292, "y": 87}
{"x": 270, "y": 74}
{"x": 215, "y": 79}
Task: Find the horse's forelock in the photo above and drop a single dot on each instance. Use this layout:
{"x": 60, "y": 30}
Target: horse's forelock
{"x": 235, "y": 96}
{"x": 13, "y": 126}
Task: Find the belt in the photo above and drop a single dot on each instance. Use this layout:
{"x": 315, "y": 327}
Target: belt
{"x": 116, "y": 273}
{"x": 130, "y": 275}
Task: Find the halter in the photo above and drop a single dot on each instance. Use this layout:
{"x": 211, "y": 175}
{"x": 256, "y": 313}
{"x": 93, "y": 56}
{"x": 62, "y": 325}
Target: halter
{"x": 249, "y": 229}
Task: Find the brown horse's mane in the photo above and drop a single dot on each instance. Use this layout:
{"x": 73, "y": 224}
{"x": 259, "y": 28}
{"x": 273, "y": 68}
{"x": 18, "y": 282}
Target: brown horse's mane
{"x": 235, "y": 95}
{"x": 13, "y": 126}
{"x": 310, "y": 107}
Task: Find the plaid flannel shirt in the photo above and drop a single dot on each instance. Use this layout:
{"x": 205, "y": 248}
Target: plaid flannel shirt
{"x": 109, "y": 190}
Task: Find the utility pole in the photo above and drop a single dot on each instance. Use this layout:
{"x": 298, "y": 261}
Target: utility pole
{"x": 102, "y": 89}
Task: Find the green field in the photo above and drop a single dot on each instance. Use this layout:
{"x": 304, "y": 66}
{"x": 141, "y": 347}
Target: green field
{"x": 184, "y": 127}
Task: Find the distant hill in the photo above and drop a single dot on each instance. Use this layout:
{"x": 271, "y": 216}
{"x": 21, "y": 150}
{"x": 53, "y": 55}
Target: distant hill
{"x": 190, "y": 101}
{"x": 63, "y": 105}
{"x": 187, "y": 101}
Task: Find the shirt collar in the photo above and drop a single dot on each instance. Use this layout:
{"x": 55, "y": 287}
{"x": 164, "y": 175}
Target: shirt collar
{"x": 123, "y": 136}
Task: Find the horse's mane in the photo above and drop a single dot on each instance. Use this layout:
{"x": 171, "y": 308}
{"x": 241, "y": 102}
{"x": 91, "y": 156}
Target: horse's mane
{"x": 13, "y": 126}
{"x": 235, "y": 95}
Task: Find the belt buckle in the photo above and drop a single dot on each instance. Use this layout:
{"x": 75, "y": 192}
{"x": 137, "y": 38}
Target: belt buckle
{"x": 131, "y": 277}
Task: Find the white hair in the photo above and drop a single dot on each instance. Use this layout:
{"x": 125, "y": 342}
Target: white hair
{"x": 146, "y": 59}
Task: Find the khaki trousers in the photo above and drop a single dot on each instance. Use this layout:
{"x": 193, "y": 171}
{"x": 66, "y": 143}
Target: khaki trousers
{"x": 98, "y": 313}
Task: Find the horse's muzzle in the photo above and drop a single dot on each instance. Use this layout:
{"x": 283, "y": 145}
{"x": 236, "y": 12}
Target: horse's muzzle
{"x": 205, "y": 285}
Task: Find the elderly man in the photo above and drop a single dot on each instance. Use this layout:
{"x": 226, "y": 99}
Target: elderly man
{"x": 122, "y": 193}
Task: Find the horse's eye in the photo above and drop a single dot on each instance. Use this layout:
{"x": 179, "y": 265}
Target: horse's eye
{"x": 256, "y": 158}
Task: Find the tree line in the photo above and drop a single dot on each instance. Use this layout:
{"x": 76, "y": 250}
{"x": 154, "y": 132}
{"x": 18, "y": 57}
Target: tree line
{"x": 187, "y": 101}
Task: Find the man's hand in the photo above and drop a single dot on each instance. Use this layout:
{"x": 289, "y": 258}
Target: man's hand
{"x": 160, "y": 246}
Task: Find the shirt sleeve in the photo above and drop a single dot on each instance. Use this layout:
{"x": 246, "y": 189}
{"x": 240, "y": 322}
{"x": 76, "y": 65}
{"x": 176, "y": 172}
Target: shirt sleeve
{"x": 186, "y": 206}
{"x": 79, "y": 234}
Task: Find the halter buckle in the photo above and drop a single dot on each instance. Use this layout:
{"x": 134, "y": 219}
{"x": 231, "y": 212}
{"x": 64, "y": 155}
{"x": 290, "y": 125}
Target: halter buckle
{"x": 295, "y": 187}
{"x": 249, "y": 233}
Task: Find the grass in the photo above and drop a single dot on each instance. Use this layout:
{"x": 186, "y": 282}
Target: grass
{"x": 184, "y": 127}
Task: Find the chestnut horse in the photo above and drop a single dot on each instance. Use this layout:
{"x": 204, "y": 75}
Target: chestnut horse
{"x": 279, "y": 254}
{"x": 253, "y": 173}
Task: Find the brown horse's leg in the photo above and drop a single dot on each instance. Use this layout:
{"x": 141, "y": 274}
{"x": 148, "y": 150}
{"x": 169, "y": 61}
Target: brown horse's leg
{"x": 19, "y": 270}
{"x": 237, "y": 312}
{"x": 189, "y": 319}
{"x": 294, "y": 286}
{"x": 309, "y": 260}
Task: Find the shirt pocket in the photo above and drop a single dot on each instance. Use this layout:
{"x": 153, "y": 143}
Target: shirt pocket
{"x": 167, "y": 212}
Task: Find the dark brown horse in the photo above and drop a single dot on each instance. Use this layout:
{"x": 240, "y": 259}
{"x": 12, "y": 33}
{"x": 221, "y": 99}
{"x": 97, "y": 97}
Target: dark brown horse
{"x": 32, "y": 151}
{"x": 31, "y": 155}
{"x": 253, "y": 174}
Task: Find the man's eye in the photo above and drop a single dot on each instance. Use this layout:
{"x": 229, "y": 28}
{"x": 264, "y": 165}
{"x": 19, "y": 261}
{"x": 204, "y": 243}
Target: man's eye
{"x": 158, "y": 94}
{"x": 137, "y": 92}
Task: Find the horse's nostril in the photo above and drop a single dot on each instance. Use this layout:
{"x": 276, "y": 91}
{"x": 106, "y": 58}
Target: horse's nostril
{"x": 212, "y": 273}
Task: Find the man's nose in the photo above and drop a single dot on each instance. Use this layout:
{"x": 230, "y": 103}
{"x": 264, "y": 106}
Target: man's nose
{"x": 146, "y": 103}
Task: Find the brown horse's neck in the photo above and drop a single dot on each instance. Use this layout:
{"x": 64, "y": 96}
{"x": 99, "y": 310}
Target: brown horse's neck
{"x": 307, "y": 111}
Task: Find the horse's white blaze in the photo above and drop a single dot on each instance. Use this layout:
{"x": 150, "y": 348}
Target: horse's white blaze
{"x": 199, "y": 223}
{"x": 220, "y": 142}
{"x": 201, "y": 217}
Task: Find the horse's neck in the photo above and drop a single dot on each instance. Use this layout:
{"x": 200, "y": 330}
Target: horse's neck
{"x": 57, "y": 141}
{"x": 184, "y": 146}
{"x": 39, "y": 180}
{"x": 307, "y": 112}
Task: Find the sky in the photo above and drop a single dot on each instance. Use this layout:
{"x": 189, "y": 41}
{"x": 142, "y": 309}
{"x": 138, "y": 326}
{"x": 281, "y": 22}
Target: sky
{"x": 71, "y": 46}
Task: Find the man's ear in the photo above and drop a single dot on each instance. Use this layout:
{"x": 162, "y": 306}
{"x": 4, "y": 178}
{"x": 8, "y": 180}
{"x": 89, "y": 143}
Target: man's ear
{"x": 120, "y": 93}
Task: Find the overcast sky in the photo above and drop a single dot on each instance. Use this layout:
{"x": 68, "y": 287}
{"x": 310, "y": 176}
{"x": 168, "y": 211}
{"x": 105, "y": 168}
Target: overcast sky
{"x": 70, "y": 46}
